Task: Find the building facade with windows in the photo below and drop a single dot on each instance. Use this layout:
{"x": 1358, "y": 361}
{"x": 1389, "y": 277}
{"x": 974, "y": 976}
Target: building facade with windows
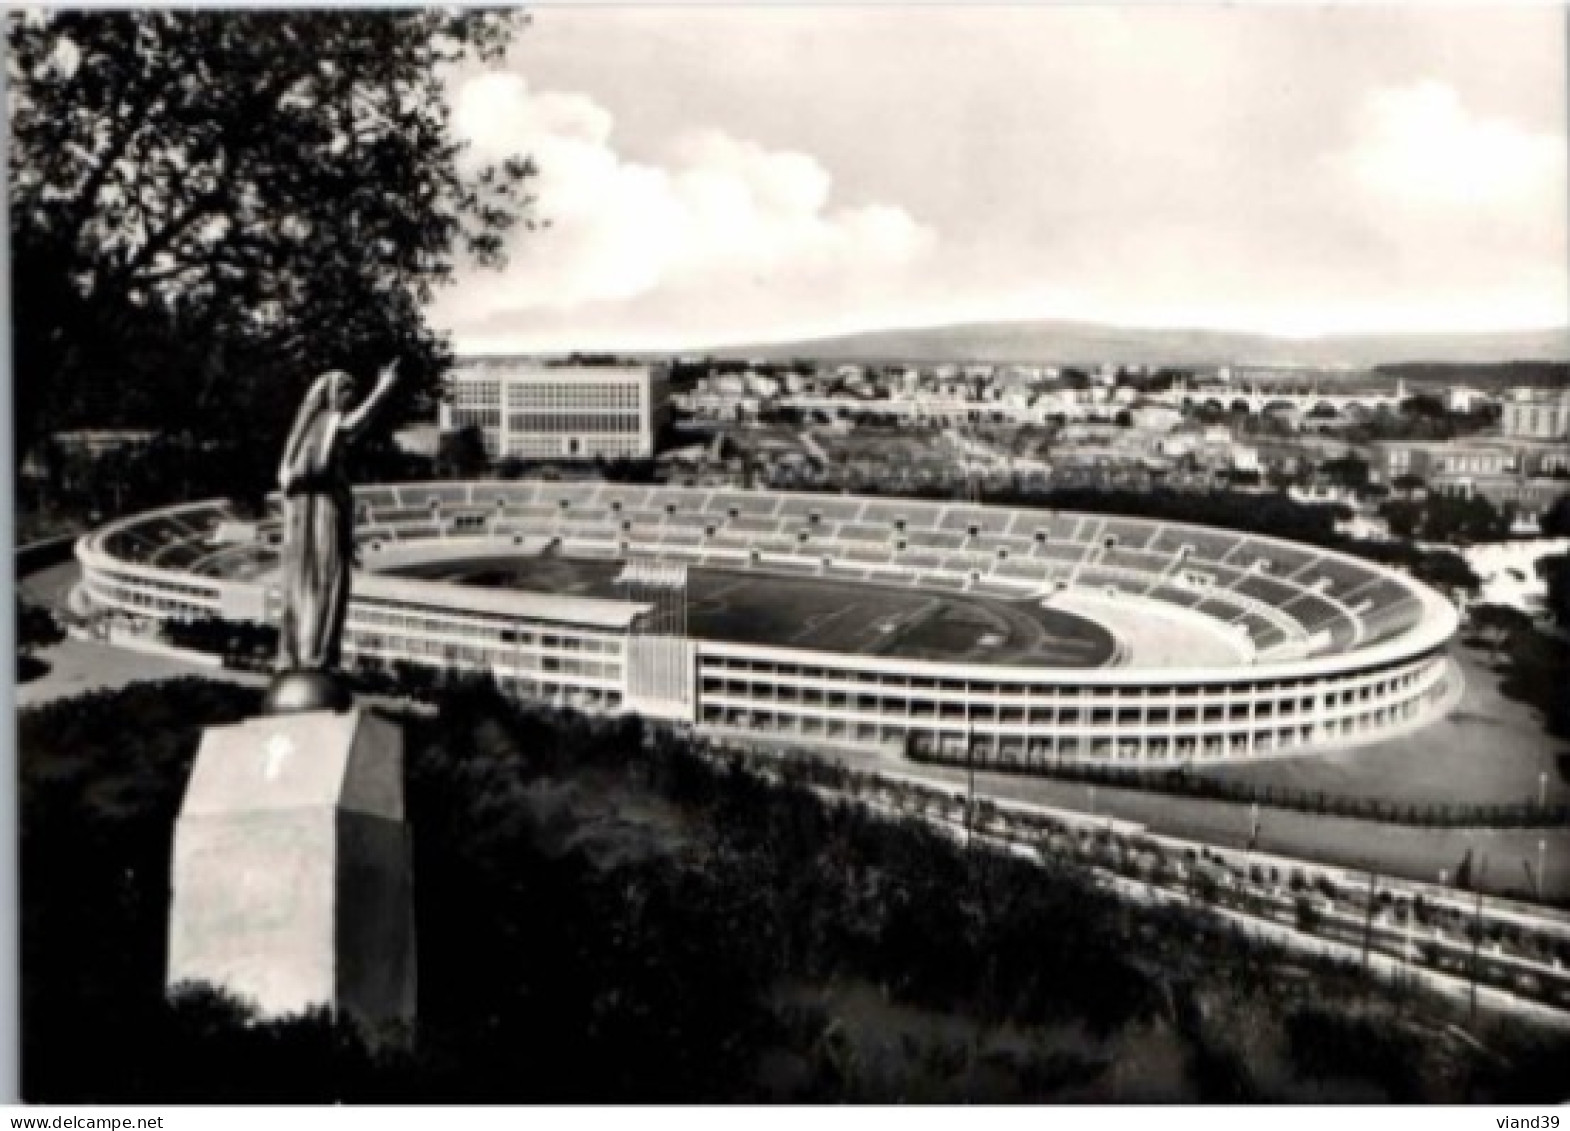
{"x": 533, "y": 410}
{"x": 1536, "y": 415}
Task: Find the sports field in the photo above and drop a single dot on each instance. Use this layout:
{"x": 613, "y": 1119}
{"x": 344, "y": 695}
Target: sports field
{"x": 824, "y": 615}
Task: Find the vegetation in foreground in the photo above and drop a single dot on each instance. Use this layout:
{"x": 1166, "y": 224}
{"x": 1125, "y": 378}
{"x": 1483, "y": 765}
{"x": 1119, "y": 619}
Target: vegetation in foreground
{"x": 606, "y": 915}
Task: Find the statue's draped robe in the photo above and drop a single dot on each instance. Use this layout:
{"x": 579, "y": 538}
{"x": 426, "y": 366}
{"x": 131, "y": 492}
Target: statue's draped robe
{"x": 318, "y": 547}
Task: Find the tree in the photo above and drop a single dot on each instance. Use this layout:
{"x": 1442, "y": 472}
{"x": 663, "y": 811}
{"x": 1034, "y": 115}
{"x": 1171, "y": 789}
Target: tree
{"x": 1346, "y": 471}
{"x": 461, "y": 454}
{"x": 1500, "y": 622}
{"x": 1447, "y": 570}
{"x": 208, "y": 208}
{"x": 36, "y": 628}
{"x": 1425, "y": 406}
{"x": 1555, "y": 521}
{"x": 1555, "y": 571}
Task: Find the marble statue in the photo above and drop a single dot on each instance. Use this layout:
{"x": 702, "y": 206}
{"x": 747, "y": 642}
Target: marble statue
{"x": 318, "y": 540}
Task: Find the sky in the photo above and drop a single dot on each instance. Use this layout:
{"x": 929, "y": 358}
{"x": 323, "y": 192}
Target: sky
{"x": 731, "y": 175}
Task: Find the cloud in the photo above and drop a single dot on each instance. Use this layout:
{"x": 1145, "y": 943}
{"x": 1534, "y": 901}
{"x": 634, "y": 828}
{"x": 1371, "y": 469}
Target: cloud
{"x": 715, "y": 221}
{"x": 1420, "y": 145}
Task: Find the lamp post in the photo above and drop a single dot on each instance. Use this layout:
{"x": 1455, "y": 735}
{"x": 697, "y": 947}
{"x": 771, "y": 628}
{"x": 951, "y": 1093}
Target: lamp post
{"x": 1542, "y": 857}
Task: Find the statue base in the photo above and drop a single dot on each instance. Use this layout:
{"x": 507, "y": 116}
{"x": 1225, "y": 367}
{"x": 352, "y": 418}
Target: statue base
{"x": 292, "y": 879}
{"x": 297, "y": 691}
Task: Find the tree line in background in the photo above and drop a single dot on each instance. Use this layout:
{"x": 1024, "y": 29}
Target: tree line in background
{"x": 1488, "y": 376}
{"x": 606, "y": 914}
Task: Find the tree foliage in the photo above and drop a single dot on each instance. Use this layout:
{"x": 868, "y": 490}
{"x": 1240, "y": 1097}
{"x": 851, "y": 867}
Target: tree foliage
{"x": 1501, "y": 623}
{"x": 606, "y": 915}
{"x": 461, "y": 454}
{"x": 1452, "y": 519}
{"x": 1346, "y": 471}
{"x": 1555, "y": 571}
{"x": 1555, "y": 521}
{"x": 208, "y": 208}
{"x": 36, "y": 628}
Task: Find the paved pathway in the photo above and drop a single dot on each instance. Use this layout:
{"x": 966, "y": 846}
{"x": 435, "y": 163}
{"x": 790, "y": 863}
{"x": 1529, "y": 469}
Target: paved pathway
{"x": 78, "y": 666}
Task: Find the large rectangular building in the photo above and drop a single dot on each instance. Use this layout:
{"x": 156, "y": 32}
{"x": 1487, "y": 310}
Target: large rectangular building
{"x": 538, "y": 411}
{"x": 1530, "y": 414}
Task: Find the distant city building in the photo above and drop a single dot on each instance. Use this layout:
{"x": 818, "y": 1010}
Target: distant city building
{"x": 1524, "y": 475}
{"x": 530, "y": 410}
{"x": 1156, "y": 417}
{"x": 1435, "y": 460}
{"x": 1535, "y": 415}
{"x": 1464, "y": 398}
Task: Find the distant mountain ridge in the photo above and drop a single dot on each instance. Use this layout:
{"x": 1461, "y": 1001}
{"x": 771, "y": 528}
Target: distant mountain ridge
{"x": 1054, "y": 342}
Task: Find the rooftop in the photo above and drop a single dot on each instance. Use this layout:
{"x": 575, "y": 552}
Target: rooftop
{"x": 591, "y": 612}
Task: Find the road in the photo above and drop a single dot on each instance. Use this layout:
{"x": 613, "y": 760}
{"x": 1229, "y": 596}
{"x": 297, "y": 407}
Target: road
{"x": 1412, "y": 853}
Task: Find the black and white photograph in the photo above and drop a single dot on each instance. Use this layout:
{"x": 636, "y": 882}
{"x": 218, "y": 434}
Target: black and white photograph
{"x": 745, "y": 554}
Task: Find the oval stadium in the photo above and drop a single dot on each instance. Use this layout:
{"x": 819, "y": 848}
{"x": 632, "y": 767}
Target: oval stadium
{"x": 1012, "y": 637}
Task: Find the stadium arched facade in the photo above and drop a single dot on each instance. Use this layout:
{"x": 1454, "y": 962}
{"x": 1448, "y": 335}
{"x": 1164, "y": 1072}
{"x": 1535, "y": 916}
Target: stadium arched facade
{"x": 1331, "y": 650}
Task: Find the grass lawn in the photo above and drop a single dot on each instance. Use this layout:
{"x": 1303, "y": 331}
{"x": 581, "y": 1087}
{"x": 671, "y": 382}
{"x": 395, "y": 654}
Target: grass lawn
{"x": 832, "y": 616}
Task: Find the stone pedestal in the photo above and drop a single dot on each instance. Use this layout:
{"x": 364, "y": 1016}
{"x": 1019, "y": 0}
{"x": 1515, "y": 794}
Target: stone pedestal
{"x": 292, "y": 883}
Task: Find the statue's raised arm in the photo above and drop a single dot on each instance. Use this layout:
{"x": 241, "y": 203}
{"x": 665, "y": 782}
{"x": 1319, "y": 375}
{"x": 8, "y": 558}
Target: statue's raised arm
{"x": 318, "y": 540}
{"x": 355, "y": 421}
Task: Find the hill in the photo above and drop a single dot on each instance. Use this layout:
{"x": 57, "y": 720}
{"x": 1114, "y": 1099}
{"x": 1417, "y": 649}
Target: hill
{"x": 1070, "y": 343}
